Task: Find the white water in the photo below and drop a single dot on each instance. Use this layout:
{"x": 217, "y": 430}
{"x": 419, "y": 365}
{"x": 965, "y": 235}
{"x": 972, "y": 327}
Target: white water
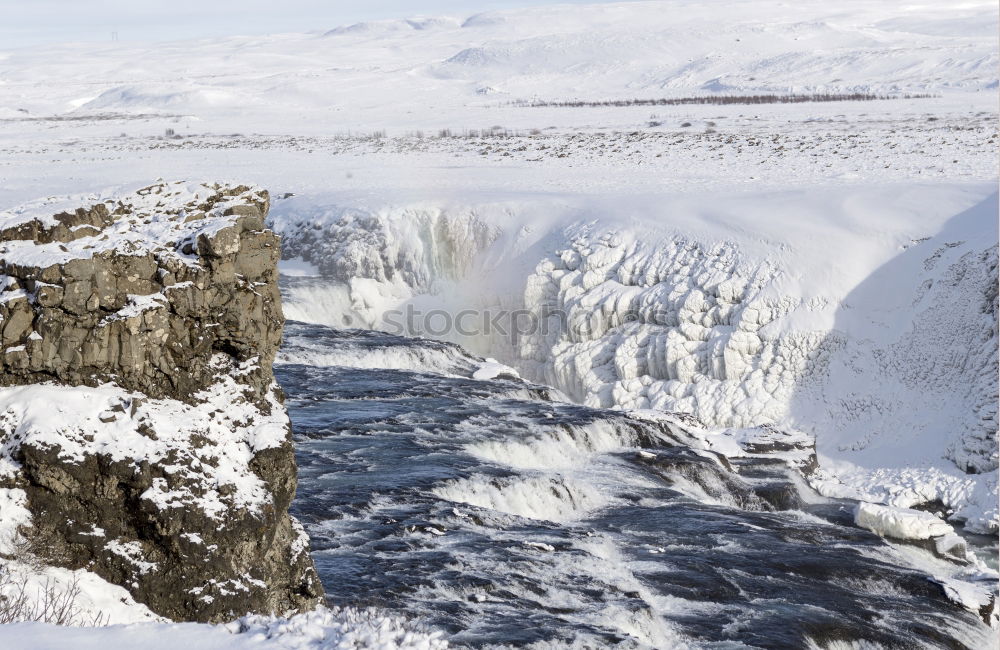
{"x": 550, "y": 498}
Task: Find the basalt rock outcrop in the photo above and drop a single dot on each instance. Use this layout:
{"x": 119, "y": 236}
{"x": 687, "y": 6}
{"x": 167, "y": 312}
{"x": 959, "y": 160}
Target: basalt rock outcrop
{"x": 141, "y": 290}
{"x": 140, "y": 422}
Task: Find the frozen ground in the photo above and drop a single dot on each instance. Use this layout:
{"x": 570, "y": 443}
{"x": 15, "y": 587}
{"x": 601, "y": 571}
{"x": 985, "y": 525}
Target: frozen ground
{"x": 825, "y": 267}
{"x": 322, "y": 629}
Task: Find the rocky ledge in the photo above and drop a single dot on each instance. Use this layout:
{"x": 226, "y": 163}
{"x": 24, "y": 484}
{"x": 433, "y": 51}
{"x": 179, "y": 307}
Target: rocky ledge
{"x": 142, "y": 435}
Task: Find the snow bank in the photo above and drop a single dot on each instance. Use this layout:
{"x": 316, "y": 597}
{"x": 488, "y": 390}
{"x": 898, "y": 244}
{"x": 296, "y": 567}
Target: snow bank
{"x": 318, "y": 630}
{"x": 491, "y": 369}
{"x": 969, "y": 499}
{"x": 901, "y": 523}
{"x": 94, "y": 600}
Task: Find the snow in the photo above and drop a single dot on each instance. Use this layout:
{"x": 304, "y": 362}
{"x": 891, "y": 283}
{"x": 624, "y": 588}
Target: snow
{"x": 491, "y": 369}
{"x": 318, "y": 630}
{"x": 967, "y": 594}
{"x": 131, "y": 551}
{"x": 136, "y": 306}
{"x": 70, "y": 419}
{"x": 972, "y": 499}
{"x": 901, "y": 523}
{"x": 13, "y": 514}
{"x": 276, "y": 110}
{"x": 625, "y": 50}
{"x": 148, "y": 224}
{"x": 96, "y": 600}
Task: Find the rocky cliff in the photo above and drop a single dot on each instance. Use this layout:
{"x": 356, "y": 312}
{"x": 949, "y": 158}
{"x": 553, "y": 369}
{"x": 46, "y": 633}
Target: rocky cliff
{"x": 140, "y": 423}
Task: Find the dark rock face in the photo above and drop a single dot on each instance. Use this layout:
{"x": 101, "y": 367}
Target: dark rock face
{"x": 168, "y": 468}
{"x": 145, "y": 314}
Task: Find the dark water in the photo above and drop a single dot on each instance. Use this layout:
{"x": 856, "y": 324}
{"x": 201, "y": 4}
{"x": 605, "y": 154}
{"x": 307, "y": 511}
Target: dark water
{"x": 487, "y": 510}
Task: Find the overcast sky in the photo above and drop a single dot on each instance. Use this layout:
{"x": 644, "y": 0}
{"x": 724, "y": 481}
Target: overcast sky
{"x": 31, "y": 22}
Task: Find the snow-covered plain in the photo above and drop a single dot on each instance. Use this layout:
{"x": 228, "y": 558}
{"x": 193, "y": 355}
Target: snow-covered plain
{"x": 827, "y": 268}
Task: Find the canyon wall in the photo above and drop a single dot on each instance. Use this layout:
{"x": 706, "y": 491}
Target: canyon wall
{"x": 143, "y": 434}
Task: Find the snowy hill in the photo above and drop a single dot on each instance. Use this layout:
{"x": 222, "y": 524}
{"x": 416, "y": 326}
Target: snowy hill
{"x": 429, "y": 72}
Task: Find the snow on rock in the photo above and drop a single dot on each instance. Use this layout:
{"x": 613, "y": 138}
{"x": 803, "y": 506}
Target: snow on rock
{"x": 970, "y": 500}
{"x": 210, "y": 442}
{"x": 491, "y": 369}
{"x": 901, "y": 523}
{"x": 142, "y": 435}
{"x": 976, "y": 595}
{"x": 119, "y": 289}
{"x": 951, "y": 544}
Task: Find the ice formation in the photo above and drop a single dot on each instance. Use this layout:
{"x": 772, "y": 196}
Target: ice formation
{"x": 735, "y": 331}
{"x": 900, "y": 523}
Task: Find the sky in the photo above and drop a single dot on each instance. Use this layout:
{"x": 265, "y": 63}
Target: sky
{"x": 37, "y": 22}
